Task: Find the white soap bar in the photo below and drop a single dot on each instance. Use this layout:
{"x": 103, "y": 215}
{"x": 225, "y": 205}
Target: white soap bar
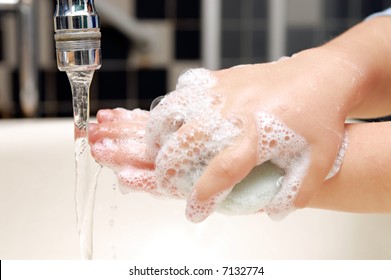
{"x": 254, "y": 192}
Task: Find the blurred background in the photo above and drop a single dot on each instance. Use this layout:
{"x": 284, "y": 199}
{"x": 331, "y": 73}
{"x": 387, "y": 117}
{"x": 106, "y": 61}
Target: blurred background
{"x": 237, "y": 31}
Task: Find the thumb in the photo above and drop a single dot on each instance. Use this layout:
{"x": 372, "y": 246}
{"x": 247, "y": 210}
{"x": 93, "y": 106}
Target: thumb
{"x": 225, "y": 170}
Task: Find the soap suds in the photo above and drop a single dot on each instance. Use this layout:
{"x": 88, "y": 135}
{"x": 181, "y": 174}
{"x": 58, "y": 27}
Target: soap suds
{"x": 289, "y": 151}
{"x": 197, "y": 211}
{"x": 341, "y": 154}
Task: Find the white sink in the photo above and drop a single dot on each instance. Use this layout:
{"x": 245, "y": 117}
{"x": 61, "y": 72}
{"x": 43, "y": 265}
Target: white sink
{"x": 37, "y": 215}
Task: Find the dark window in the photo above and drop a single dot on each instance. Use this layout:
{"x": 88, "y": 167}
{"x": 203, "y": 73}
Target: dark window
{"x": 150, "y": 9}
{"x": 187, "y": 44}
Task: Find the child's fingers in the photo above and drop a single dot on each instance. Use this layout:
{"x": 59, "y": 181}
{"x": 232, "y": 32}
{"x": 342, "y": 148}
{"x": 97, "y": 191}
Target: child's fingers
{"x": 119, "y": 154}
{"x": 120, "y": 114}
{"x": 222, "y": 173}
{"x": 118, "y": 130}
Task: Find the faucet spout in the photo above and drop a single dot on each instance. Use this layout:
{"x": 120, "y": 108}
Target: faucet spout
{"x": 77, "y": 28}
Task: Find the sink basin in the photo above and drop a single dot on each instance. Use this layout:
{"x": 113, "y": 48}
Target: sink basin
{"x": 37, "y": 215}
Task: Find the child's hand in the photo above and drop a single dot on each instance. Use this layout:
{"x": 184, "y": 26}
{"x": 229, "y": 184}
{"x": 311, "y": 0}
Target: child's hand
{"x": 117, "y": 141}
{"x": 301, "y": 97}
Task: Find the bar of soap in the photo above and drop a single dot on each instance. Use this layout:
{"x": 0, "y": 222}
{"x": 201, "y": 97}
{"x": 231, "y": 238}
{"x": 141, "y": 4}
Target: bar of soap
{"x": 254, "y": 192}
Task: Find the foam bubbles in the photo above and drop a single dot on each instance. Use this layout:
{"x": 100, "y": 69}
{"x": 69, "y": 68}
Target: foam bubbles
{"x": 276, "y": 141}
{"x": 197, "y": 211}
{"x": 198, "y": 77}
{"x": 183, "y": 155}
{"x": 341, "y": 154}
{"x": 289, "y": 151}
{"x": 137, "y": 179}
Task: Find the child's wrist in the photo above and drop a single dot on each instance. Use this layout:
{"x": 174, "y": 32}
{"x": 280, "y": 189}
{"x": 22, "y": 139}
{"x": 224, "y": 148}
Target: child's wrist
{"x": 368, "y": 47}
{"x": 339, "y": 74}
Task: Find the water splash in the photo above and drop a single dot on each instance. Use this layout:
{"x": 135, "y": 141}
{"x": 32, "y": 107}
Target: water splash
{"x": 87, "y": 170}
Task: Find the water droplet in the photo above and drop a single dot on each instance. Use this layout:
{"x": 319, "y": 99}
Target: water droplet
{"x": 114, "y": 207}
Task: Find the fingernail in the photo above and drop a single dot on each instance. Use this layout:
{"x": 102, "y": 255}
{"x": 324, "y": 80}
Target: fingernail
{"x": 104, "y": 114}
{"x": 92, "y": 127}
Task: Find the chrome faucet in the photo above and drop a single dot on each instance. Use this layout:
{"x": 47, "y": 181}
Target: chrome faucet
{"x": 77, "y": 28}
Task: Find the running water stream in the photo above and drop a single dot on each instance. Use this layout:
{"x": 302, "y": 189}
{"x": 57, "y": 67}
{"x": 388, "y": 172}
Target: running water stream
{"x": 87, "y": 170}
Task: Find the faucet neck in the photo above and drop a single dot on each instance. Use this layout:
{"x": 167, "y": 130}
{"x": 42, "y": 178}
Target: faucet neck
{"x": 75, "y": 14}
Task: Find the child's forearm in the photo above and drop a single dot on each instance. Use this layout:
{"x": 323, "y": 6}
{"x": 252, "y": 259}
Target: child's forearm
{"x": 367, "y": 47}
{"x": 364, "y": 181}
